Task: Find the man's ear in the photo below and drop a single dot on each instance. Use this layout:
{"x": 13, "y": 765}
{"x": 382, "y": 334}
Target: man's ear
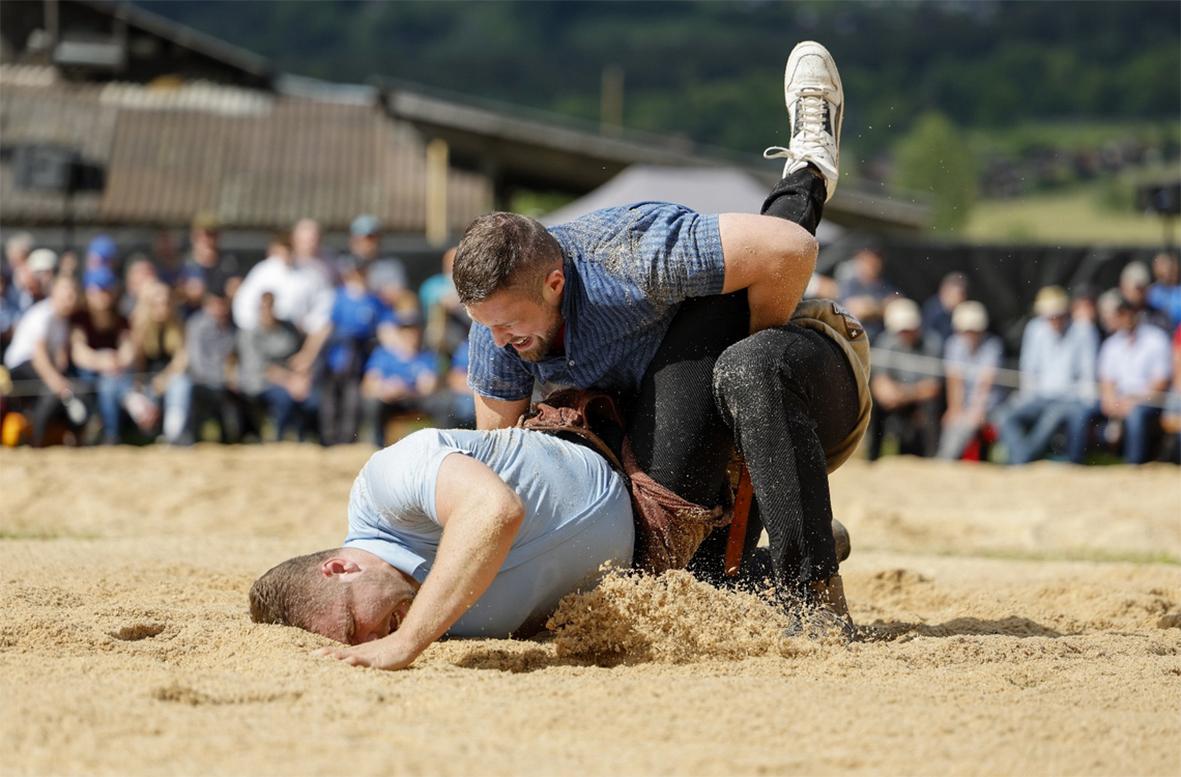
{"x": 338, "y": 566}
{"x": 553, "y": 284}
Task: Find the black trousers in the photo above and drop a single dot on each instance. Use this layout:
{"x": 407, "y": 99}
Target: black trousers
{"x": 340, "y": 407}
{"x": 221, "y": 404}
{"x": 915, "y": 426}
{"x": 782, "y": 395}
{"x": 43, "y": 407}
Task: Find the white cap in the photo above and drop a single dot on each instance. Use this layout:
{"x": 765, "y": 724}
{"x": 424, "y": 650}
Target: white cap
{"x": 902, "y": 315}
{"x": 42, "y": 260}
{"x": 1051, "y": 301}
{"x": 1135, "y": 274}
{"x": 969, "y": 316}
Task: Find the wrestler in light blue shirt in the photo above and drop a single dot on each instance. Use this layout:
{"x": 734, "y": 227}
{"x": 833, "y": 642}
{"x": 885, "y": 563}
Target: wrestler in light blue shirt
{"x": 577, "y": 518}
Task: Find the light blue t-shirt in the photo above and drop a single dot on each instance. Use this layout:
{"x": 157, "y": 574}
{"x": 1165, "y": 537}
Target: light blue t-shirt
{"x": 577, "y": 517}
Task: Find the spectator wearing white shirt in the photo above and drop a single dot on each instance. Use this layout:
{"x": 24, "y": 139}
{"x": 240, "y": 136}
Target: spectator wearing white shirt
{"x": 303, "y": 293}
{"x": 1135, "y": 365}
{"x": 301, "y": 283}
{"x": 39, "y": 355}
{"x": 1057, "y": 377}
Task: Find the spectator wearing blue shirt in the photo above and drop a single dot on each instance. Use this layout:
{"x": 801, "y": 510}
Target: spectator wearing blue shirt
{"x": 9, "y": 314}
{"x": 953, "y": 290}
{"x": 356, "y": 312}
{"x": 971, "y": 360}
{"x": 399, "y": 374}
{"x": 865, "y": 291}
{"x": 447, "y": 322}
{"x": 386, "y": 276}
{"x": 1164, "y": 295}
{"x": 1057, "y": 376}
{"x": 453, "y": 405}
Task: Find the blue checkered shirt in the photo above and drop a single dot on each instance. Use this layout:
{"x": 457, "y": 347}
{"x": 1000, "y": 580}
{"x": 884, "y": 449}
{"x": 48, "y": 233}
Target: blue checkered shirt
{"x": 627, "y": 270}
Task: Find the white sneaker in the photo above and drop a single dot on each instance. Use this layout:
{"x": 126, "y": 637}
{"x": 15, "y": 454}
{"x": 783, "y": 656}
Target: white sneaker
{"x": 815, "y": 110}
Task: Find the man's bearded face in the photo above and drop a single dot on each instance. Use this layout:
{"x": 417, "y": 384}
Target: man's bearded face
{"x": 529, "y": 324}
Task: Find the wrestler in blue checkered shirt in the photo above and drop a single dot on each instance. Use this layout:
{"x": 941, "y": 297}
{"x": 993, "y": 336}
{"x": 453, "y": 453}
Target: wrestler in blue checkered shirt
{"x": 626, "y": 270}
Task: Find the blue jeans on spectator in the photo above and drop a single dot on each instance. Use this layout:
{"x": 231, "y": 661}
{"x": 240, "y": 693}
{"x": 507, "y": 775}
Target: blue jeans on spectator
{"x": 284, "y": 408}
{"x": 1140, "y": 427}
{"x": 1030, "y": 423}
{"x": 178, "y": 398}
{"x": 110, "y": 390}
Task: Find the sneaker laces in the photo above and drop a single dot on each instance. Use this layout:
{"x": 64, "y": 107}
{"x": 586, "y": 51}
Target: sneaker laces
{"x": 813, "y": 108}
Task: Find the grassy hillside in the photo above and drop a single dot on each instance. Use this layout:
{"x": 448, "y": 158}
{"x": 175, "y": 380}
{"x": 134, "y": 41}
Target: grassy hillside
{"x": 1070, "y": 217}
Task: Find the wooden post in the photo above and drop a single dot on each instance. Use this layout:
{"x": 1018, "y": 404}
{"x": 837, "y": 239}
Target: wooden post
{"x": 611, "y": 101}
{"x": 437, "y": 154}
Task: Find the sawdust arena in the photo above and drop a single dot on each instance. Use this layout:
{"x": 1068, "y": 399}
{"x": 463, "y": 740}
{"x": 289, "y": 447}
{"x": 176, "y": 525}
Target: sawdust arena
{"x": 1014, "y": 621}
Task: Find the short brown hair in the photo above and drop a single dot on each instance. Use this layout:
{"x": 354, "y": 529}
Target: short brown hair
{"x": 292, "y": 592}
{"x": 500, "y": 250}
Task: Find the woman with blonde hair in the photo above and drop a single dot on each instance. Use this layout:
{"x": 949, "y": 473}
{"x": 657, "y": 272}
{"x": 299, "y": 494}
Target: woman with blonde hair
{"x": 159, "y": 338}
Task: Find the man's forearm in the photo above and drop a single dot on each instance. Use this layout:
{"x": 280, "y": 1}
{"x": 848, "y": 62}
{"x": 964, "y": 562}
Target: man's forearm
{"x": 498, "y": 413}
{"x": 470, "y": 554}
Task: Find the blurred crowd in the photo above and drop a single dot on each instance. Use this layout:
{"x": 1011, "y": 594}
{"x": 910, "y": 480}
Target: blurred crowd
{"x": 310, "y": 344}
{"x": 1095, "y": 371}
{"x": 305, "y": 345}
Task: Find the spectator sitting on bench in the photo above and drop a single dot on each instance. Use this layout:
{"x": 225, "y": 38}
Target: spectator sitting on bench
{"x": 399, "y": 376}
{"x": 970, "y": 361}
{"x": 1057, "y": 376}
{"x": 1135, "y": 365}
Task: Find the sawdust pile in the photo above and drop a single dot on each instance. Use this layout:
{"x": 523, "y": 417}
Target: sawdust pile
{"x": 674, "y": 618}
{"x": 1015, "y": 622}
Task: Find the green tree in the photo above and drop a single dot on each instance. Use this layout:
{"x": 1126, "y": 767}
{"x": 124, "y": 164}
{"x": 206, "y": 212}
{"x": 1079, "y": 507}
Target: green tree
{"x": 934, "y": 158}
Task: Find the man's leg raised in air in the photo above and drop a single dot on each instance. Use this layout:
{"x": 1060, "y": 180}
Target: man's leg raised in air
{"x": 815, "y": 103}
{"x": 678, "y": 433}
{"x": 678, "y": 436}
{"x": 789, "y": 393}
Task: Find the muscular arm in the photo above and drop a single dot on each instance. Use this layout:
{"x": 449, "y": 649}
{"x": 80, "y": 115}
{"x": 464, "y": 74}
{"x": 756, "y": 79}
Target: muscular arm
{"x": 498, "y": 413}
{"x": 772, "y": 259}
{"x": 480, "y": 515}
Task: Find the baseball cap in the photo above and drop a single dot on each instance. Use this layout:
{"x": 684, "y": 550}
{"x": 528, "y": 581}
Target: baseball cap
{"x": 1051, "y": 301}
{"x": 99, "y": 278}
{"x": 969, "y": 316}
{"x": 902, "y": 315}
{"x": 364, "y": 225}
{"x": 103, "y": 247}
{"x": 42, "y": 260}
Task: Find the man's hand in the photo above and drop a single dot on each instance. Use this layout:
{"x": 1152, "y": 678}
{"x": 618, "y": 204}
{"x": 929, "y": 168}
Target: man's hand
{"x": 386, "y": 653}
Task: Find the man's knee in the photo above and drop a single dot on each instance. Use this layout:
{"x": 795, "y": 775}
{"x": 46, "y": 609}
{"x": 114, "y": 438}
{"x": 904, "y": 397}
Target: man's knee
{"x": 745, "y": 368}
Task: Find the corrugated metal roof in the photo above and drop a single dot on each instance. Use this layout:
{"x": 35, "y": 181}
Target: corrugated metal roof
{"x": 257, "y": 160}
